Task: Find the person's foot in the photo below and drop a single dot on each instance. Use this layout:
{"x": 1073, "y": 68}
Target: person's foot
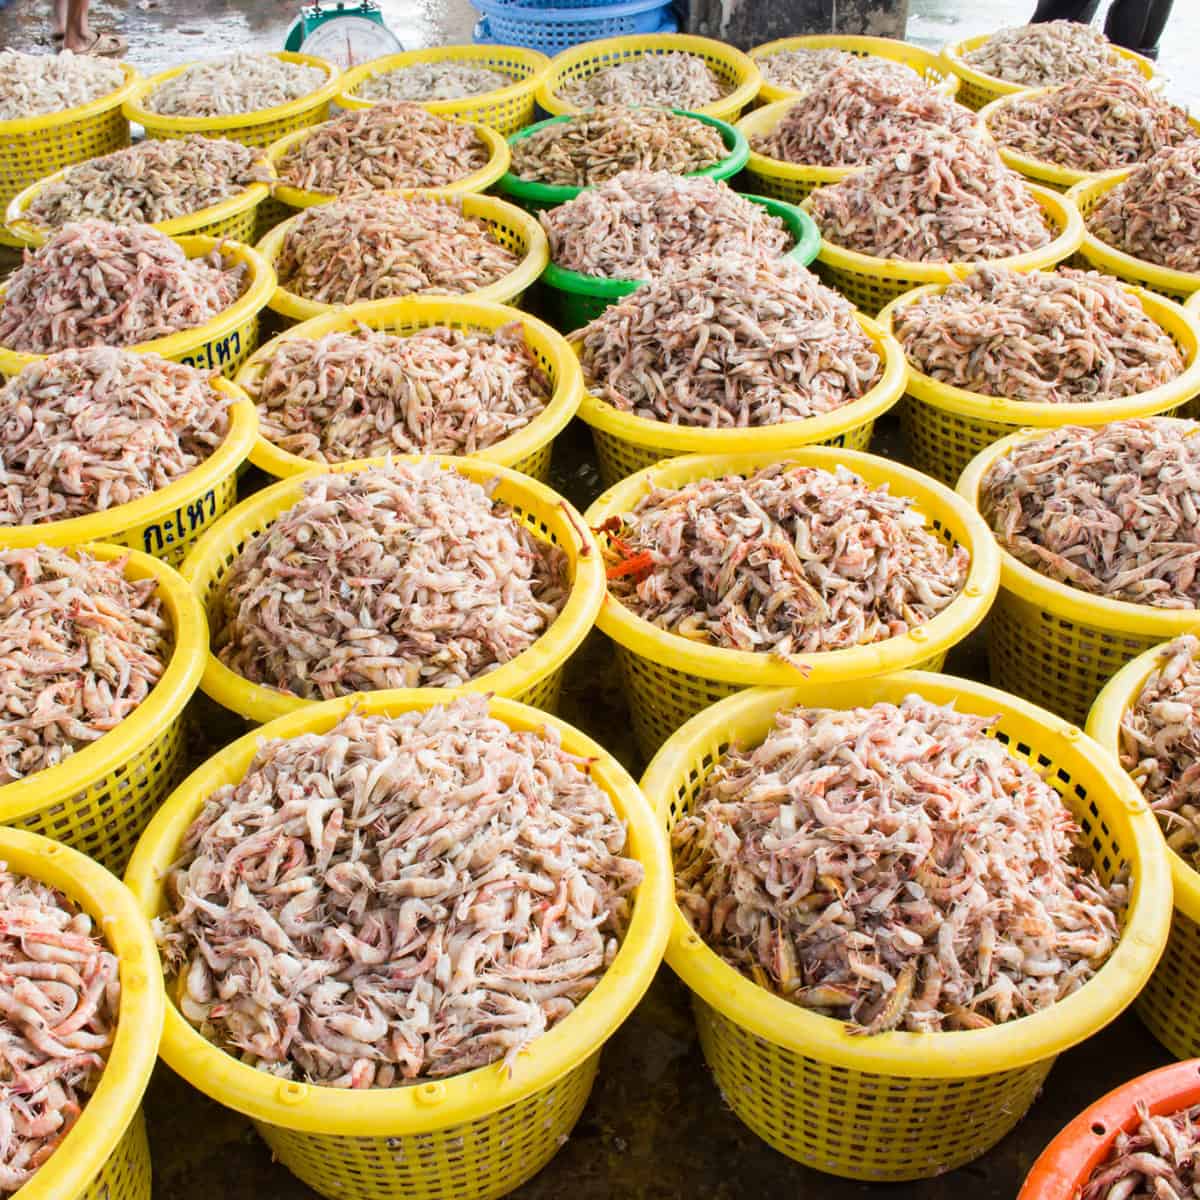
{"x": 98, "y": 45}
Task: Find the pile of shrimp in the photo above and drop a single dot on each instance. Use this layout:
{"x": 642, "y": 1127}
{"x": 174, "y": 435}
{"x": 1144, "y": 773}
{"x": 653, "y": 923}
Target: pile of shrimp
{"x": 1160, "y": 744}
{"x": 937, "y": 199}
{"x": 1092, "y": 124}
{"x": 377, "y": 246}
{"x": 155, "y": 180}
{"x": 1048, "y": 53}
{"x": 674, "y": 79}
{"x": 857, "y": 114}
{"x": 60, "y": 994}
{"x": 1154, "y": 214}
{"x": 432, "y": 81}
{"x": 98, "y": 284}
{"x": 81, "y": 647}
{"x": 799, "y": 70}
{"x": 1050, "y": 338}
{"x": 893, "y": 867}
{"x": 364, "y": 394}
{"x": 404, "y": 575}
{"x": 1113, "y": 510}
{"x": 85, "y": 430}
{"x": 396, "y": 145}
{"x": 641, "y": 222}
{"x": 729, "y": 343}
{"x": 399, "y": 898}
{"x": 595, "y": 146}
{"x": 242, "y": 83}
{"x": 34, "y": 84}
{"x": 1155, "y": 1161}
{"x": 791, "y": 560}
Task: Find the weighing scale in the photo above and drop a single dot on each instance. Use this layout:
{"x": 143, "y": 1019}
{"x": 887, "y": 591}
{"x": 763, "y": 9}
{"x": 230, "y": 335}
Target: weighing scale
{"x": 346, "y": 33}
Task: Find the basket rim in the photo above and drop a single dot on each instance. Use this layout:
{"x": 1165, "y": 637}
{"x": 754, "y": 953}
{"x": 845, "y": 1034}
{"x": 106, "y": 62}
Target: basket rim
{"x": 243, "y": 309}
{"x": 552, "y": 194}
{"x": 640, "y": 44}
{"x": 131, "y": 1059}
{"x": 953, "y": 53}
{"x": 35, "y": 235}
{"x": 748, "y": 668}
{"x": 1192, "y": 304}
{"x": 235, "y": 447}
{"x": 1121, "y": 616}
{"x": 1120, "y": 262}
{"x": 477, "y": 181}
{"x": 1065, "y": 1164}
{"x": 474, "y": 204}
{"x": 153, "y": 716}
{"x": 688, "y": 439}
{"x": 799, "y": 224}
{"x": 426, "y": 311}
{"x": 879, "y": 47}
{"x": 538, "y": 15}
{"x": 431, "y": 1104}
{"x": 1118, "y": 695}
{"x": 257, "y": 702}
{"x": 943, "y": 1055}
{"x": 80, "y": 112}
{"x": 1059, "y": 209}
{"x": 1166, "y": 313}
{"x": 1039, "y": 169}
{"x": 135, "y": 109}
{"x": 535, "y": 60}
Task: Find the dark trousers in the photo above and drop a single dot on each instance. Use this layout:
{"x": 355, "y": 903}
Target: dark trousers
{"x": 1134, "y": 24}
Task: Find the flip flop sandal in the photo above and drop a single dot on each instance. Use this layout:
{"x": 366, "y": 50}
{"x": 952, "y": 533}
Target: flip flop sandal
{"x": 106, "y": 45}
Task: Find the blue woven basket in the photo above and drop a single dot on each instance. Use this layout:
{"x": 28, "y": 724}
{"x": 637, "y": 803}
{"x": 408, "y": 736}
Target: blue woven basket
{"x": 553, "y": 29}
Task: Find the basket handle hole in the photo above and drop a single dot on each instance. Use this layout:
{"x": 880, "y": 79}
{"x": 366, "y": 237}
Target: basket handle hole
{"x": 1099, "y": 1129}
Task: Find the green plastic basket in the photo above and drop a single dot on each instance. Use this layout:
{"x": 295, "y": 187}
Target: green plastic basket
{"x": 578, "y": 299}
{"x": 537, "y": 196}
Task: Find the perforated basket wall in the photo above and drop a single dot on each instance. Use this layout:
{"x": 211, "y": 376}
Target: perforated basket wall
{"x": 482, "y": 1159}
{"x": 1169, "y": 1005}
{"x": 126, "y": 1173}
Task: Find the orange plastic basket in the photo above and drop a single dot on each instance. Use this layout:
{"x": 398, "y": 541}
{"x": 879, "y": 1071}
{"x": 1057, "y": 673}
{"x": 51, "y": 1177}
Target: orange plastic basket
{"x": 1169, "y": 1005}
{"x": 945, "y": 426}
{"x": 898, "y": 1106}
{"x": 99, "y": 799}
{"x": 534, "y": 676}
{"x": 669, "y": 678}
{"x": 1057, "y": 645}
{"x": 1066, "y": 1165}
{"x": 33, "y": 147}
{"x": 105, "y": 1156}
{"x": 479, "y": 1134}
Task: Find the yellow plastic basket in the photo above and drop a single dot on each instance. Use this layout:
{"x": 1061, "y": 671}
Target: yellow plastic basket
{"x": 259, "y": 128}
{"x": 233, "y": 217}
{"x": 899, "y": 1106}
{"x": 930, "y": 66}
{"x": 33, "y": 147}
{"x": 479, "y": 1134}
{"x": 870, "y": 283}
{"x": 979, "y": 89}
{"x": 99, "y": 799}
{"x": 1103, "y": 257}
{"x": 1169, "y": 1005}
{"x": 1048, "y": 174}
{"x": 513, "y": 227}
{"x": 626, "y": 443}
{"x": 731, "y": 66}
{"x": 669, "y": 678}
{"x": 1057, "y": 645}
{"x": 533, "y": 677}
{"x": 295, "y": 198}
{"x": 947, "y": 426}
{"x": 528, "y": 450}
{"x": 506, "y": 109}
{"x": 166, "y": 523}
{"x": 105, "y": 1156}
{"x": 221, "y": 344}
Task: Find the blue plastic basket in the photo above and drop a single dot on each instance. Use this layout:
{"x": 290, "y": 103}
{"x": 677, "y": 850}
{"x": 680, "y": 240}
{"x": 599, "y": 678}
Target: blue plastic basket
{"x": 553, "y": 29}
